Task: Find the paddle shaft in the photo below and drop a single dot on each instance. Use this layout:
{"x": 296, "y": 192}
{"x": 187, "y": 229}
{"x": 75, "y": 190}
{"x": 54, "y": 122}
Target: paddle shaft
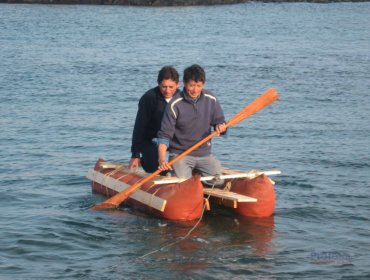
{"x": 262, "y": 101}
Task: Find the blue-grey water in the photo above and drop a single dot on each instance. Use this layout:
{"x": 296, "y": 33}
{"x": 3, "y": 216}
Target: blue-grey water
{"x": 70, "y": 80}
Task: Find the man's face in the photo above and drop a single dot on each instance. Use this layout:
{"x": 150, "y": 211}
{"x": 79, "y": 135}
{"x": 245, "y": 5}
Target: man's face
{"x": 168, "y": 88}
{"x": 194, "y": 88}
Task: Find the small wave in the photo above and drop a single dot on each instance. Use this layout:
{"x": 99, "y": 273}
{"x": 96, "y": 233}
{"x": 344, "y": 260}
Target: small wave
{"x": 364, "y": 163}
{"x": 295, "y": 182}
{"x": 305, "y": 213}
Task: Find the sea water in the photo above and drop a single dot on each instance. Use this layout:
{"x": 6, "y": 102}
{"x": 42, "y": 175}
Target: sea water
{"x": 70, "y": 80}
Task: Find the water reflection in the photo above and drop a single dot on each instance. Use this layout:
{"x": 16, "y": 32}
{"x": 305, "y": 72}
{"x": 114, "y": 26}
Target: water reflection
{"x": 254, "y": 233}
{"x": 216, "y": 237}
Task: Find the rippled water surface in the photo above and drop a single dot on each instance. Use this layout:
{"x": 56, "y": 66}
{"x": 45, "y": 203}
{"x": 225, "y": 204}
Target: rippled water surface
{"x": 70, "y": 80}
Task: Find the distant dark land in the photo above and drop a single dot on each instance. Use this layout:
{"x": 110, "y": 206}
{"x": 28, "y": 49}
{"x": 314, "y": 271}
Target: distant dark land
{"x": 161, "y": 3}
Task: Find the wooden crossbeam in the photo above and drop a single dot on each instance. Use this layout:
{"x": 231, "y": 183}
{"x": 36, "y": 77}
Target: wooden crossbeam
{"x": 141, "y": 196}
{"x": 228, "y": 195}
{"x": 227, "y": 175}
{"x": 124, "y": 168}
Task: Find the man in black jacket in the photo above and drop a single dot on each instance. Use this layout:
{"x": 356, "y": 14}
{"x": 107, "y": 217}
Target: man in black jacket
{"x": 148, "y": 120}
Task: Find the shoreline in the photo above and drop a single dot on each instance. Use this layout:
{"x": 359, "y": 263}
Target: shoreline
{"x": 165, "y": 3}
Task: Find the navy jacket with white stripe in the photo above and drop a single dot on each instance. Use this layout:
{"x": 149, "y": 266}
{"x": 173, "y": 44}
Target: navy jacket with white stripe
{"x": 187, "y": 121}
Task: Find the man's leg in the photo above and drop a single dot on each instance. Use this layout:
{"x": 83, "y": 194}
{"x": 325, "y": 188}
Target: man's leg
{"x": 183, "y": 168}
{"x": 210, "y": 166}
{"x": 149, "y": 160}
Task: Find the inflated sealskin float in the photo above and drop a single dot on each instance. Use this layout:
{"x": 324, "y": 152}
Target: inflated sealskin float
{"x": 249, "y": 194}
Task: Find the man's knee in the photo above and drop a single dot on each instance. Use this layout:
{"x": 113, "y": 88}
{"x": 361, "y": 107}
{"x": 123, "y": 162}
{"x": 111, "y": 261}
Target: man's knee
{"x": 182, "y": 168}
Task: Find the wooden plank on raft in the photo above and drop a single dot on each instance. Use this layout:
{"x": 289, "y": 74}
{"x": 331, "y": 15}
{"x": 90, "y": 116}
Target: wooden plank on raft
{"x": 124, "y": 168}
{"x": 249, "y": 174}
{"x": 141, "y": 196}
{"x": 227, "y": 174}
{"x": 228, "y": 195}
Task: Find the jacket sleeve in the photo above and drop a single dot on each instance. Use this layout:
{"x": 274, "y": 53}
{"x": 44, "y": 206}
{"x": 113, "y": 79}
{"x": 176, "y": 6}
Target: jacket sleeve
{"x": 141, "y": 121}
{"x": 218, "y": 114}
{"x": 168, "y": 124}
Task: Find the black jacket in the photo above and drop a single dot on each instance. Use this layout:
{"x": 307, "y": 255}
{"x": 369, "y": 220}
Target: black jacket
{"x": 148, "y": 119}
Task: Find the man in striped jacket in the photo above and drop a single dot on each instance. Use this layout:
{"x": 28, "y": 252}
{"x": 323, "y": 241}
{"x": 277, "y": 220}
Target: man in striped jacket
{"x": 188, "y": 119}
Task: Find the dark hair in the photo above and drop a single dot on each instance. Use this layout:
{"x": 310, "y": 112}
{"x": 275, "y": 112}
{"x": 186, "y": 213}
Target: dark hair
{"x": 168, "y": 73}
{"x": 194, "y": 73}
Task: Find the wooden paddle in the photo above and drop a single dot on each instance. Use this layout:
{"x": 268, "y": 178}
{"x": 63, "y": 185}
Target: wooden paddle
{"x": 262, "y": 101}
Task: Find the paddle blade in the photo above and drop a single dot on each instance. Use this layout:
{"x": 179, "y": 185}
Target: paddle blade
{"x": 265, "y": 99}
{"x": 115, "y": 200}
{"x": 104, "y": 206}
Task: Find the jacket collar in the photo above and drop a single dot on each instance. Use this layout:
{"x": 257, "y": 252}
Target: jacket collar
{"x": 160, "y": 95}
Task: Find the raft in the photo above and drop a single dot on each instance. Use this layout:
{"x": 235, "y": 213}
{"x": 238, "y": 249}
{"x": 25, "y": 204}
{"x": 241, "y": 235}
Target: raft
{"x": 249, "y": 194}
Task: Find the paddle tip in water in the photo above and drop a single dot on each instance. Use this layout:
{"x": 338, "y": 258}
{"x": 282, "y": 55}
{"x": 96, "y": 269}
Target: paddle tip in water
{"x": 104, "y": 206}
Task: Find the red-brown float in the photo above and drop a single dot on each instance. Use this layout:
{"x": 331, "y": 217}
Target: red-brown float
{"x": 184, "y": 201}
